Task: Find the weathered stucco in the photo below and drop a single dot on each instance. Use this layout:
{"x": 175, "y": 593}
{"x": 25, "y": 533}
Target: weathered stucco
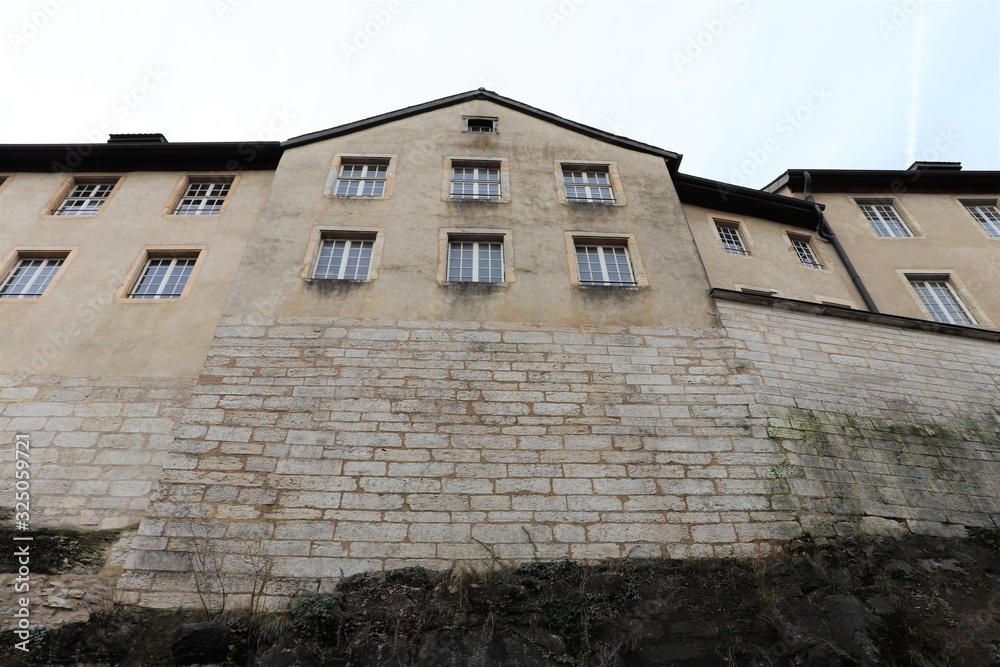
{"x": 271, "y": 281}
{"x": 81, "y": 329}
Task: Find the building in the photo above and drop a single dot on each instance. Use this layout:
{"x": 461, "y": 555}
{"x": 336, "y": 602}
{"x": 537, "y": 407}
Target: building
{"x": 471, "y": 329}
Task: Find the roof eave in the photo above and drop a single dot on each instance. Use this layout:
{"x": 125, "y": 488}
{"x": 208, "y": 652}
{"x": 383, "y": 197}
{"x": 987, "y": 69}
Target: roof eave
{"x": 118, "y": 157}
{"x": 673, "y": 159}
{"x": 728, "y": 198}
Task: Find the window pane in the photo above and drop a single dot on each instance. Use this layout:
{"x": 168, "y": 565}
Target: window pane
{"x": 341, "y": 259}
{"x": 362, "y": 180}
{"x": 885, "y": 220}
{"x": 163, "y": 278}
{"x": 30, "y": 278}
{"x": 942, "y": 302}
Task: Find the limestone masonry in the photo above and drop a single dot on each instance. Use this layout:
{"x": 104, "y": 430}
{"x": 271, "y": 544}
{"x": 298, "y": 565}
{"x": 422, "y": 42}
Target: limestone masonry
{"x": 472, "y": 331}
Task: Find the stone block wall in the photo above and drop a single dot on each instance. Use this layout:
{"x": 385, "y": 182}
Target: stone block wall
{"x": 314, "y": 448}
{"x": 97, "y": 445}
{"x": 882, "y": 428}
{"x": 333, "y": 446}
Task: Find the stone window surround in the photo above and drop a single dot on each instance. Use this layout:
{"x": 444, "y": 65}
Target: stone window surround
{"x": 16, "y": 254}
{"x": 901, "y": 212}
{"x": 198, "y": 252}
{"x": 739, "y": 225}
{"x": 611, "y": 166}
{"x": 629, "y": 241}
{"x": 494, "y": 119}
{"x": 339, "y": 159}
{"x": 322, "y": 233}
{"x": 72, "y": 181}
{"x": 452, "y": 161}
{"x": 966, "y": 203}
{"x": 449, "y": 234}
{"x": 961, "y": 290}
{"x": 180, "y": 188}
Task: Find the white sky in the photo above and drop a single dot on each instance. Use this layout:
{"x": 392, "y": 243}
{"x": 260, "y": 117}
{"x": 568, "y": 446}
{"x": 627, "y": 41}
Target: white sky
{"x": 875, "y": 85}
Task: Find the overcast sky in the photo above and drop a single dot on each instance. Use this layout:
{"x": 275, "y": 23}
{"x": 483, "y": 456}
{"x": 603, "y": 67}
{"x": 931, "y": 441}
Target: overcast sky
{"x": 743, "y": 88}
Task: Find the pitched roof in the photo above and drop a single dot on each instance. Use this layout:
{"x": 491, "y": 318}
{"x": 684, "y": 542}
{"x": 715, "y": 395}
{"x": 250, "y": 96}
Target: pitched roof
{"x": 673, "y": 159}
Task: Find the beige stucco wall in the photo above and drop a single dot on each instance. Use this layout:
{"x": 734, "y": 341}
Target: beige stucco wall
{"x": 272, "y": 281}
{"x": 78, "y": 328}
{"x": 947, "y": 239}
{"x": 772, "y": 262}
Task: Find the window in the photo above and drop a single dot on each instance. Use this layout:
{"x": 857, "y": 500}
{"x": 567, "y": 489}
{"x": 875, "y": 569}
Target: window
{"x": 31, "y": 276}
{"x": 590, "y": 185}
{"x": 344, "y": 259}
{"x": 362, "y": 179}
{"x": 940, "y": 300}
{"x": 86, "y": 197}
{"x": 163, "y": 277}
{"x": 803, "y": 248}
{"x": 479, "y": 125}
{"x": 204, "y": 196}
{"x": 475, "y": 261}
{"x": 475, "y": 182}
{"x": 987, "y": 215}
{"x": 732, "y": 240}
{"x": 604, "y": 265}
{"x": 885, "y": 220}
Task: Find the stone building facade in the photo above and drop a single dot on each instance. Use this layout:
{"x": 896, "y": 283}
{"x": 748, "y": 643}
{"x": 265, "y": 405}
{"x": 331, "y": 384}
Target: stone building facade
{"x": 472, "y": 330}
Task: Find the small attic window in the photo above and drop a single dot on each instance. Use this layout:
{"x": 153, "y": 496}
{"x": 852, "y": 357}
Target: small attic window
{"x": 479, "y": 125}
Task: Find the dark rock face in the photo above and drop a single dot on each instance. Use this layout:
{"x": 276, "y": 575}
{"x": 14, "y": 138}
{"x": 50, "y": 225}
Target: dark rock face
{"x": 838, "y": 603}
{"x": 201, "y": 643}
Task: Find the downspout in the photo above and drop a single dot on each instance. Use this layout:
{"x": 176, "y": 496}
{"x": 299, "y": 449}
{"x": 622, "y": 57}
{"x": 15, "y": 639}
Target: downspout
{"x": 826, "y": 233}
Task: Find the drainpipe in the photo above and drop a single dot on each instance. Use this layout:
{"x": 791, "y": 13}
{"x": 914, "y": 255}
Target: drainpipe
{"x": 826, "y": 233}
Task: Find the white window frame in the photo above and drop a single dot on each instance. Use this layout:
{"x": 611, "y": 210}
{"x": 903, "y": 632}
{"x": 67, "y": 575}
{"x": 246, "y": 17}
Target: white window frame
{"x": 372, "y": 175}
{"x": 577, "y": 240}
{"x": 586, "y": 169}
{"x": 211, "y": 202}
{"x": 174, "y": 255}
{"x": 987, "y": 214}
{"x": 92, "y": 194}
{"x": 360, "y": 244}
{"x": 175, "y": 267}
{"x": 42, "y": 277}
{"x": 342, "y": 161}
{"x": 933, "y": 292}
{"x": 321, "y": 235}
{"x": 480, "y": 273}
{"x": 735, "y": 244}
{"x": 884, "y": 219}
{"x": 803, "y": 248}
{"x": 475, "y": 124}
{"x": 604, "y": 253}
{"x": 449, "y": 236}
{"x": 591, "y": 183}
{"x": 479, "y": 181}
